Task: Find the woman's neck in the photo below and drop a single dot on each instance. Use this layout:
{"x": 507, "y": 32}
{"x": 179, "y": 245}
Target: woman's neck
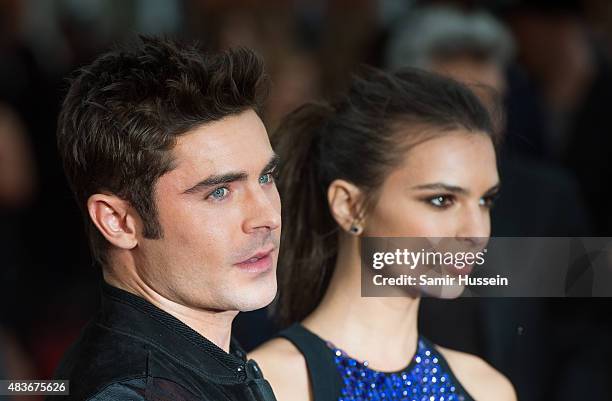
{"x": 382, "y": 331}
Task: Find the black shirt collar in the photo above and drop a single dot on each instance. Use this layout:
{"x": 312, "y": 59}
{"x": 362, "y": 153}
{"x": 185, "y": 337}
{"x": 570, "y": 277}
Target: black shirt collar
{"x": 128, "y": 313}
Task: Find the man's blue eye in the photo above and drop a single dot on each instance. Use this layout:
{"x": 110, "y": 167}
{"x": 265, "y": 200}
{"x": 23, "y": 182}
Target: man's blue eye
{"x": 219, "y": 193}
{"x": 266, "y": 178}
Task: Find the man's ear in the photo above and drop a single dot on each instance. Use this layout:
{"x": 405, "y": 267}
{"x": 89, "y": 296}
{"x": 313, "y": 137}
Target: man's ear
{"x": 345, "y": 200}
{"x": 114, "y": 218}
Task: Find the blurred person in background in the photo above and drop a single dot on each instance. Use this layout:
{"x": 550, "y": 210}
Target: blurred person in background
{"x": 573, "y": 74}
{"x": 174, "y": 173}
{"x": 17, "y": 173}
{"x": 17, "y": 185}
{"x": 473, "y": 47}
{"x": 403, "y": 154}
{"x": 33, "y": 63}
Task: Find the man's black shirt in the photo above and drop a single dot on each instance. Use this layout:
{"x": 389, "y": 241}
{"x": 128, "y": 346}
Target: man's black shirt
{"x": 133, "y": 350}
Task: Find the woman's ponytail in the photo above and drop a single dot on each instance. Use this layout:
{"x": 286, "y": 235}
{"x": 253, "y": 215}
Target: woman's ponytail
{"x": 308, "y": 250}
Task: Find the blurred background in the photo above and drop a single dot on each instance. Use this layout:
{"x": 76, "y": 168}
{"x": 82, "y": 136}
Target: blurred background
{"x": 549, "y": 60}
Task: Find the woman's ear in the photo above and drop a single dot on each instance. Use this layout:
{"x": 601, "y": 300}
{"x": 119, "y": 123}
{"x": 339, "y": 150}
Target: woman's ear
{"x": 113, "y": 218}
{"x": 345, "y": 200}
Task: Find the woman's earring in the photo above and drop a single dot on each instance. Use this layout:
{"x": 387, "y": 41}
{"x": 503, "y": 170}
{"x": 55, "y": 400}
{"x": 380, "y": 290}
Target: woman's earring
{"x": 355, "y": 229}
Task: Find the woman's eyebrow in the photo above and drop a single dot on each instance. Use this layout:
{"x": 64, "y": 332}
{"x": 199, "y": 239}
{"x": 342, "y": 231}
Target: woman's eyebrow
{"x": 494, "y": 189}
{"x": 442, "y": 186}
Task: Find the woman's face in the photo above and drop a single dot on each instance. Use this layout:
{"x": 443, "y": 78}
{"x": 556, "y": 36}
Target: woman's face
{"x": 443, "y": 189}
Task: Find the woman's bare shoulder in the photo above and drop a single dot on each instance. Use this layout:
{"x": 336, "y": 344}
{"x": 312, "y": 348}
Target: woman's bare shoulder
{"x": 284, "y": 366}
{"x": 480, "y": 380}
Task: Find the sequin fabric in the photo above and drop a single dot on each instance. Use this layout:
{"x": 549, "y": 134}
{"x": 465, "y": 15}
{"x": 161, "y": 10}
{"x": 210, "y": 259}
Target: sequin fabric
{"x": 424, "y": 379}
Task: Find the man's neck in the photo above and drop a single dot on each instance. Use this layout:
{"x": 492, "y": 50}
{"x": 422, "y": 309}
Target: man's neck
{"x": 214, "y": 325}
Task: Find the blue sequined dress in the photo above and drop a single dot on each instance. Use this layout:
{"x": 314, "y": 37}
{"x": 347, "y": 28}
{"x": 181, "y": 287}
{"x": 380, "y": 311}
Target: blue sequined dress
{"x": 335, "y": 376}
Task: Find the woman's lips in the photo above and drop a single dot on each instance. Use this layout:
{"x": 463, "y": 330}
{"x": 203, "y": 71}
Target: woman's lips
{"x": 456, "y": 271}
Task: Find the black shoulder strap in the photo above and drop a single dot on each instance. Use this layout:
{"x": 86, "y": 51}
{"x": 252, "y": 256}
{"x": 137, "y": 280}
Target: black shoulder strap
{"x": 324, "y": 377}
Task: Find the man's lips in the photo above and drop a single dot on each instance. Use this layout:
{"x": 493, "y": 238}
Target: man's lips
{"x": 259, "y": 261}
{"x": 258, "y": 255}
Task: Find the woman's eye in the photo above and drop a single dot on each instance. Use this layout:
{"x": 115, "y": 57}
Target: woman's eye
{"x": 488, "y": 201}
{"x": 266, "y": 178}
{"x": 441, "y": 201}
{"x": 219, "y": 193}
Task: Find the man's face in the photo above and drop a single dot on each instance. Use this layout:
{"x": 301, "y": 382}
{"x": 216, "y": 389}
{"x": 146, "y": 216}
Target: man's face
{"x": 219, "y": 210}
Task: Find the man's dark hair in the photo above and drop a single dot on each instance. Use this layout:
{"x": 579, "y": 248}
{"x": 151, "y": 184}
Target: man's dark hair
{"x": 123, "y": 114}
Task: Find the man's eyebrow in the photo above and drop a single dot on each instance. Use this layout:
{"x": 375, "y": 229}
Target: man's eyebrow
{"x": 272, "y": 164}
{"x": 213, "y": 180}
{"x": 230, "y": 177}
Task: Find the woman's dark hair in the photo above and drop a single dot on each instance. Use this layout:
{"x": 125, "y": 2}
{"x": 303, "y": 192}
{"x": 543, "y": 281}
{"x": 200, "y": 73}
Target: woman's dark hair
{"x": 359, "y": 138}
{"x": 124, "y": 112}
